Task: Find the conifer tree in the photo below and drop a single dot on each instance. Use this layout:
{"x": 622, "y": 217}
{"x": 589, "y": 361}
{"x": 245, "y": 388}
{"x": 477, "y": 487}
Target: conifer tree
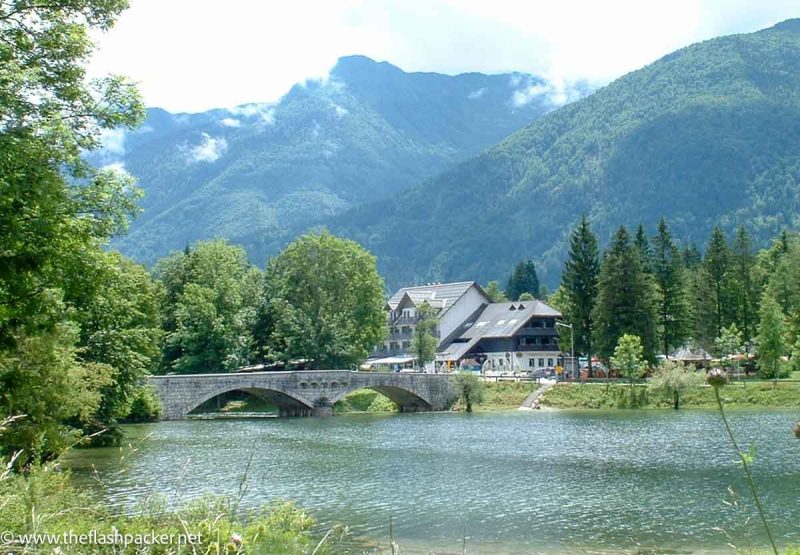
{"x": 716, "y": 267}
{"x": 625, "y": 298}
{"x": 743, "y": 261}
{"x": 674, "y": 320}
{"x": 579, "y": 283}
{"x": 523, "y": 280}
{"x": 644, "y": 248}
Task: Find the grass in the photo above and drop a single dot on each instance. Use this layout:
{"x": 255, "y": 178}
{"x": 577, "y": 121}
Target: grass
{"x": 505, "y": 395}
{"x": 364, "y": 400}
{"x": 603, "y": 396}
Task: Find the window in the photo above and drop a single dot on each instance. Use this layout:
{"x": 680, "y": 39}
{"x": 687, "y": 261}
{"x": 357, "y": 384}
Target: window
{"x": 541, "y": 362}
{"x": 501, "y": 362}
{"x": 531, "y": 362}
{"x": 406, "y": 344}
{"x": 549, "y": 362}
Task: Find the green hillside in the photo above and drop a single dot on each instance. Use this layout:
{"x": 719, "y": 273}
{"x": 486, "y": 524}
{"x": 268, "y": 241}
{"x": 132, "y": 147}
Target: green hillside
{"x": 251, "y": 173}
{"x": 710, "y": 133}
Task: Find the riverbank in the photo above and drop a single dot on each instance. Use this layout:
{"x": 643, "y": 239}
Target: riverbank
{"x": 617, "y": 395}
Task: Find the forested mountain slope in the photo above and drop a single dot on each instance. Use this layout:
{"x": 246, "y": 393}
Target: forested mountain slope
{"x": 259, "y": 172}
{"x": 710, "y": 133}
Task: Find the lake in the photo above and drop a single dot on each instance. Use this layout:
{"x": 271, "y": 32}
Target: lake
{"x": 509, "y": 482}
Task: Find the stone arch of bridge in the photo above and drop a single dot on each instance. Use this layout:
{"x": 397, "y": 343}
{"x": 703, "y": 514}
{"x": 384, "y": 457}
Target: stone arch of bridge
{"x": 405, "y": 398}
{"x": 287, "y": 403}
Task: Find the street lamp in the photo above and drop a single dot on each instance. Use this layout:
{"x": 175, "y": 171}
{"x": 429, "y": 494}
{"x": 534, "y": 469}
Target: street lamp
{"x": 571, "y": 345}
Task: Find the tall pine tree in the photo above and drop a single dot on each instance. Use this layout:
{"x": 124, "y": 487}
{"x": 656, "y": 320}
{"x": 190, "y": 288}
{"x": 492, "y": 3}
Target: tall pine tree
{"x": 743, "y": 261}
{"x": 716, "y": 278}
{"x": 625, "y": 298}
{"x": 674, "y": 321}
{"x": 579, "y": 283}
{"x": 645, "y": 250}
{"x": 523, "y": 280}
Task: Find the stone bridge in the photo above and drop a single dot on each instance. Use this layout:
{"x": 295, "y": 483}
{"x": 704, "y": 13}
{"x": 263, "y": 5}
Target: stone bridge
{"x": 302, "y": 393}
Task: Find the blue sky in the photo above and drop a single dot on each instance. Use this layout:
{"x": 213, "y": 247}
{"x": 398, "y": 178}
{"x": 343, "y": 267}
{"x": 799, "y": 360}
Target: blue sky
{"x": 192, "y": 55}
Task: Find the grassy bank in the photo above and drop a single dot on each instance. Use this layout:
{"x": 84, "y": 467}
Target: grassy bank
{"x": 364, "y": 400}
{"x": 609, "y": 396}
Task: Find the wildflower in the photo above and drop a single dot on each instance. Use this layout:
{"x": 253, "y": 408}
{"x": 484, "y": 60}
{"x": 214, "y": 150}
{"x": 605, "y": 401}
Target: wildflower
{"x": 236, "y": 539}
{"x": 716, "y": 378}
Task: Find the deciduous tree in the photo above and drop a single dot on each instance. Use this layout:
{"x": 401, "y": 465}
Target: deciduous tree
{"x": 325, "y": 298}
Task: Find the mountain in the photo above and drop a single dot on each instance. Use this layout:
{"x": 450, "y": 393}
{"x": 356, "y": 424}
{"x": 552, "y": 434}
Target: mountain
{"x": 707, "y": 134}
{"x": 254, "y": 173}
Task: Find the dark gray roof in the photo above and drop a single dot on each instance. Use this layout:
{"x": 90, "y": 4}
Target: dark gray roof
{"x": 495, "y": 320}
{"x": 438, "y": 295}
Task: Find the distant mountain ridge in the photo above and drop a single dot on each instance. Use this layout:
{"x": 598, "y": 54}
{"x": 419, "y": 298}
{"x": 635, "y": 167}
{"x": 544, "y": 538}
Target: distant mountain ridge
{"x": 707, "y": 134}
{"x": 258, "y": 173}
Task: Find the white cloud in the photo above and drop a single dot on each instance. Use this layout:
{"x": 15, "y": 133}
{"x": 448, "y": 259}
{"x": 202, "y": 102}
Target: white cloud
{"x": 264, "y": 111}
{"x": 477, "y": 94}
{"x": 196, "y": 46}
{"x": 112, "y": 141}
{"x": 230, "y": 122}
{"x": 210, "y": 150}
{"x": 341, "y": 111}
{"x": 118, "y": 167}
{"x": 556, "y": 92}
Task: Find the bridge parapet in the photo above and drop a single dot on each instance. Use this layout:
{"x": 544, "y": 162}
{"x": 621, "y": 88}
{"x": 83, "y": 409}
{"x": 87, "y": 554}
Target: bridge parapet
{"x": 302, "y": 393}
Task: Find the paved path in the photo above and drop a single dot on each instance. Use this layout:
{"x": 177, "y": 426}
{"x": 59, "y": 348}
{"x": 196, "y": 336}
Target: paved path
{"x": 533, "y": 398}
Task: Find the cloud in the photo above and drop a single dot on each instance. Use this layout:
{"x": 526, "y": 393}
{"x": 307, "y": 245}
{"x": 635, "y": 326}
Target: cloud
{"x": 571, "y": 40}
{"x": 264, "y": 111}
{"x": 341, "y": 111}
{"x": 477, "y": 94}
{"x": 556, "y": 92}
{"x": 112, "y": 142}
{"x": 210, "y": 150}
{"x": 118, "y": 167}
{"x": 230, "y": 122}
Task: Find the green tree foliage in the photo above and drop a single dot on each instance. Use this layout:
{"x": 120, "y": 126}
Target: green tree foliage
{"x": 469, "y": 388}
{"x": 494, "y": 293}
{"x": 628, "y": 357}
{"x": 642, "y": 244}
{"x": 715, "y": 306}
{"x": 55, "y": 213}
{"x": 44, "y": 380}
{"x": 523, "y": 280}
{"x": 209, "y": 312}
{"x": 691, "y": 256}
{"x": 324, "y": 299}
{"x": 672, "y": 378}
{"x": 784, "y": 282}
{"x": 423, "y": 343}
{"x": 743, "y": 282}
{"x": 579, "y": 286}
{"x": 770, "y": 341}
{"x": 673, "y": 306}
{"x": 730, "y": 343}
{"x": 117, "y": 307}
{"x": 624, "y": 299}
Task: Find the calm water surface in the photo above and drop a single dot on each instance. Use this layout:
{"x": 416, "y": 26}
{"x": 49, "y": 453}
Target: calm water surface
{"x": 516, "y": 482}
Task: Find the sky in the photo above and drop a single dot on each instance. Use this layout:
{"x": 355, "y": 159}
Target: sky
{"x": 193, "y": 55}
